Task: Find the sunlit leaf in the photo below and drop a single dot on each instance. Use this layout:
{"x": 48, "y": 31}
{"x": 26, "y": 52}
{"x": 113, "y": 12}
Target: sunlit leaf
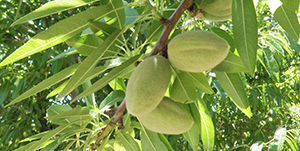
{"x": 52, "y": 8}
{"x": 231, "y": 64}
{"x": 233, "y": 85}
{"x": 288, "y": 20}
{"x": 151, "y": 141}
{"x": 200, "y": 82}
{"x": 111, "y": 99}
{"x": 193, "y": 135}
{"x": 278, "y": 140}
{"x": 89, "y": 63}
{"x": 57, "y": 33}
{"x": 37, "y": 144}
{"x": 128, "y": 141}
{"x": 245, "y": 31}
{"x": 107, "y": 78}
{"x": 183, "y": 89}
{"x": 207, "y": 126}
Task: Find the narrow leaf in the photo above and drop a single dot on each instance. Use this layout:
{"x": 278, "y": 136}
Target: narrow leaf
{"x": 46, "y": 84}
{"x": 56, "y": 110}
{"x": 52, "y": 8}
{"x": 89, "y": 99}
{"x": 79, "y": 116}
{"x": 278, "y": 140}
{"x": 293, "y": 5}
{"x": 207, "y": 126}
{"x": 117, "y": 18}
{"x": 151, "y": 141}
{"x": 129, "y": 143}
{"x": 107, "y": 78}
{"x": 57, "y": 33}
{"x": 89, "y": 63}
{"x": 201, "y": 83}
{"x": 233, "y": 85}
{"x": 34, "y": 137}
{"x": 111, "y": 99}
{"x": 231, "y": 64}
{"x": 95, "y": 72}
{"x": 86, "y": 44}
{"x": 193, "y": 135}
{"x": 36, "y": 145}
{"x": 63, "y": 54}
{"x": 245, "y": 31}
{"x": 288, "y": 20}
{"x": 183, "y": 89}
{"x": 165, "y": 141}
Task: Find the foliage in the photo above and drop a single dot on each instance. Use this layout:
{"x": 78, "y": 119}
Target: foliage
{"x": 63, "y": 65}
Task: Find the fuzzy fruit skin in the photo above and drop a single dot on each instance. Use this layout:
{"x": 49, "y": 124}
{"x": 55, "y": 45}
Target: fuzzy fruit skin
{"x": 147, "y": 85}
{"x": 197, "y": 51}
{"x": 219, "y": 10}
{"x": 168, "y": 117}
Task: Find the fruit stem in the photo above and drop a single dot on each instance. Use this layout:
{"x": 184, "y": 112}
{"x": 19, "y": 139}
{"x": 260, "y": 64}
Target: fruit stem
{"x": 169, "y": 24}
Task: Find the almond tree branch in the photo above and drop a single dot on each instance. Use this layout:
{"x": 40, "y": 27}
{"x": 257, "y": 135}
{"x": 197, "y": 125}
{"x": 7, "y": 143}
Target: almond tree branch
{"x": 160, "y": 46}
{"x": 169, "y": 25}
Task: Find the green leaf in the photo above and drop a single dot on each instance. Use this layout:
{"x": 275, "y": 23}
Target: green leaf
{"x": 200, "y": 81}
{"x": 288, "y": 20}
{"x": 34, "y": 137}
{"x": 118, "y": 84}
{"x": 52, "y": 8}
{"x": 131, "y": 15}
{"x": 101, "y": 29}
{"x": 151, "y": 141}
{"x": 111, "y": 99}
{"x": 193, "y": 135}
{"x": 107, "y": 78}
{"x": 89, "y": 63}
{"x": 37, "y": 144}
{"x": 223, "y": 34}
{"x": 79, "y": 116}
{"x": 52, "y": 146}
{"x": 86, "y": 44}
{"x": 56, "y": 110}
{"x": 117, "y": 18}
{"x": 165, "y": 141}
{"x": 183, "y": 89}
{"x": 293, "y": 5}
{"x": 89, "y": 99}
{"x": 291, "y": 139}
{"x": 57, "y": 33}
{"x": 245, "y": 31}
{"x": 64, "y": 54}
{"x": 129, "y": 143}
{"x": 231, "y": 64}
{"x": 207, "y": 126}
{"x": 233, "y": 85}
{"x": 46, "y": 84}
{"x": 278, "y": 140}
{"x": 95, "y": 72}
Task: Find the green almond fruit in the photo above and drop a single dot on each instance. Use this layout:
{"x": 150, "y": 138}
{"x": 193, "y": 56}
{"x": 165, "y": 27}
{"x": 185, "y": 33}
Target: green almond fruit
{"x": 168, "y": 117}
{"x": 147, "y": 85}
{"x": 219, "y": 10}
{"x": 197, "y": 51}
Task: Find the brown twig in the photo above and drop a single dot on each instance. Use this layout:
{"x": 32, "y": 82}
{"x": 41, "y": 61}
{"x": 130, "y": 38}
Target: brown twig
{"x": 160, "y": 46}
{"x": 169, "y": 25}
